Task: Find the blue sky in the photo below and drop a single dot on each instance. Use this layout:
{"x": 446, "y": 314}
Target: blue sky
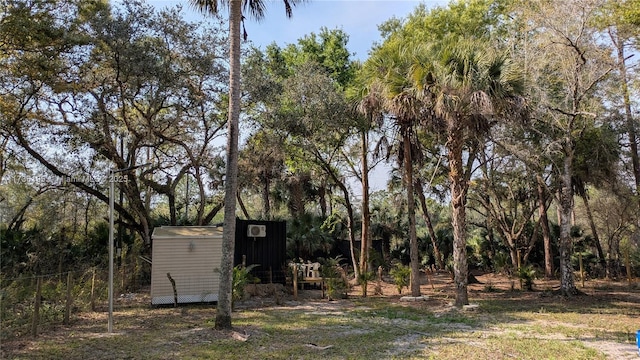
{"x": 358, "y": 18}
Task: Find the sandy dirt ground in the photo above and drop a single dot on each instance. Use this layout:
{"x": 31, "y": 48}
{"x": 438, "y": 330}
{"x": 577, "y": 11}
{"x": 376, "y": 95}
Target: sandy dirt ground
{"x": 438, "y": 289}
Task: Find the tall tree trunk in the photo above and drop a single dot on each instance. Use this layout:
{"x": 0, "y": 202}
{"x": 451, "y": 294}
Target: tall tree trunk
{"x": 427, "y": 220}
{"x": 208, "y": 217}
{"x": 458, "y": 200}
{"x": 138, "y": 208}
{"x": 411, "y": 212}
{"x": 243, "y": 208}
{"x": 202, "y": 196}
{"x": 86, "y": 217}
{"x": 296, "y": 195}
{"x": 147, "y": 197}
{"x": 567, "y": 282}
{"x": 531, "y": 243}
{"x": 613, "y": 258}
{"x": 352, "y": 240}
{"x": 594, "y": 232}
{"x": 489, "y": 219}
{"x": 365, "y": 242}
{"x": 145, "y": 229}
{"x": 350, "y": 224}
{"x": 224, "y": 308}
{"x": 322, "y": 198}
{"x": 546, "y": 232}
{"x": 631, "y": 124}
{"x": 186, "y": 199}
{"x": 513, "y": 253}
{"x": 173, "y": 218}
{"x": 266, "y": 204}
{"x": 350, "y": 216}
{"x": 491, "y": 239}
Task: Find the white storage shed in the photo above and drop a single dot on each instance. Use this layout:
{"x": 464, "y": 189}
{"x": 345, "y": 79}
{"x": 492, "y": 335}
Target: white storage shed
{"x": 191, "y": 255}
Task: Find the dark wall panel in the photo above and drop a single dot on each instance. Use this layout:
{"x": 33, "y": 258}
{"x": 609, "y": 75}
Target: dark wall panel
{"x": 269, "y": 252}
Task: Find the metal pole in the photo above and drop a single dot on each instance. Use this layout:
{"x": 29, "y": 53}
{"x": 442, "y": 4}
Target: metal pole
{"x": 111, "y": 195}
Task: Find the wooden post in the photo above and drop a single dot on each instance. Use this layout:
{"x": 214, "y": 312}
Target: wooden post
{"x": 67, "y": 308}
{"x": 93, "y": 289}
{"x": 36, "y": 308}
{"x": 295, "y": 281}
{"x": 581, "y": 269}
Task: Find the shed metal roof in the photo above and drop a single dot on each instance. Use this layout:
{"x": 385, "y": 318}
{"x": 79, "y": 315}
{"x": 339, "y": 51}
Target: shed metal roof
{"x": 186, "y": 232}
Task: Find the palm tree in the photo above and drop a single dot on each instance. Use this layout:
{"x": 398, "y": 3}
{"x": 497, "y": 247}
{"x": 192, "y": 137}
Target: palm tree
{"x": 256, "y": 9}
{"x": 388, "y": 70}
{"x": 467, "y": 87}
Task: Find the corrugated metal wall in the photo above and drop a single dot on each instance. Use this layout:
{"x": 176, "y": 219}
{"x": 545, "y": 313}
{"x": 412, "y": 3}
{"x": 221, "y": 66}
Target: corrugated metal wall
{"x": 191, "y": 263}
{"x": 269, "y": 252}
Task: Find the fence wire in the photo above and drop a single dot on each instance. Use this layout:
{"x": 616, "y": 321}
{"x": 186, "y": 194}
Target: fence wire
{"x": 32, "y": 302}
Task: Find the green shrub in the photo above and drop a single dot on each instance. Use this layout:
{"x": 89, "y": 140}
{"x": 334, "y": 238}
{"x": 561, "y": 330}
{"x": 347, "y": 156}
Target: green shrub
{"x": 364, "y": 279}
{"x": 401, "y": 275}
{"x": 502, "y": 263}
{"x": 241, "y": 277}
{"x": 527, "y": 274}
{"x": 333, "y": 278}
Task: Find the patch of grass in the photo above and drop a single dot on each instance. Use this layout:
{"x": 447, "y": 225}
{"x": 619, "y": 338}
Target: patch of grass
{"x": 391, "y": 312}
{"x": 506, "y": 346}
{"x": 382, "y": 308}
{"x": 519, "y": 325}
{"x": 533, "y": 348}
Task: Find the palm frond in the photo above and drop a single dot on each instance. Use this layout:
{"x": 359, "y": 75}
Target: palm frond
{"x": 255, "y": 8}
